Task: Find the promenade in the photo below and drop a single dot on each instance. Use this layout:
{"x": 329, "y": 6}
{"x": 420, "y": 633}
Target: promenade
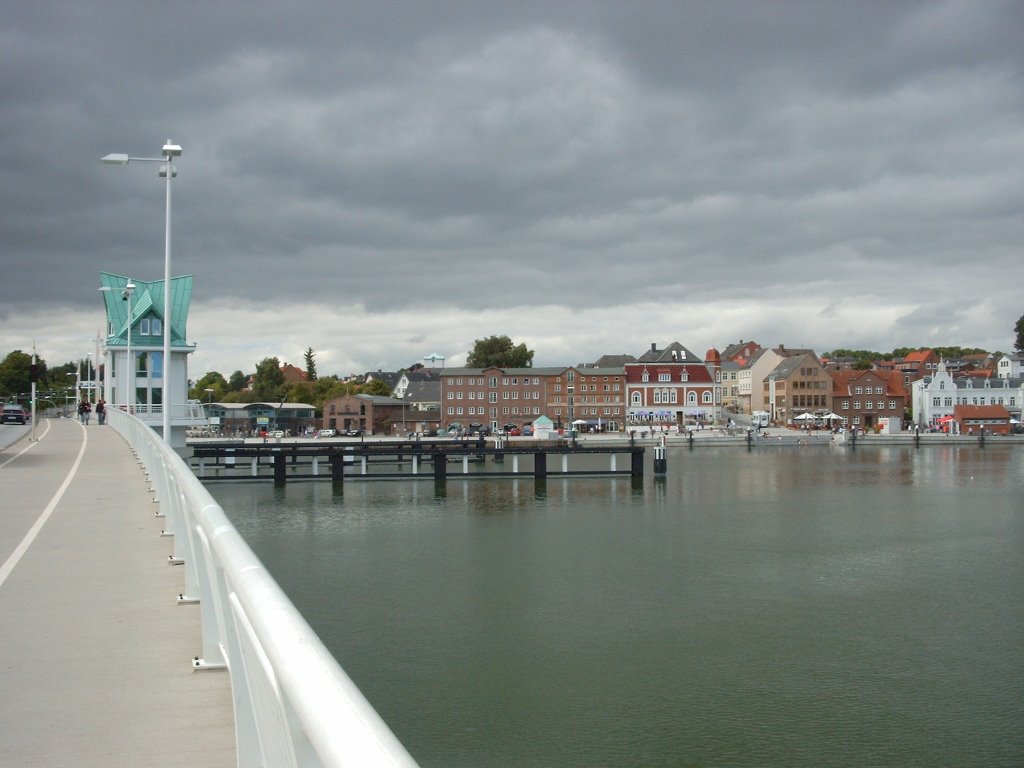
{"x": 95, "y": 652}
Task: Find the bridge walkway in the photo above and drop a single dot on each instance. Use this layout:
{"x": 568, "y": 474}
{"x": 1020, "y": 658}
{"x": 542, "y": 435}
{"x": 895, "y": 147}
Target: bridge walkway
{"x": 95, "y": 652}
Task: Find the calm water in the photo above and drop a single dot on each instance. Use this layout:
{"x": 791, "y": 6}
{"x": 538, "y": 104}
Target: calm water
{"x": 787, "y": 607}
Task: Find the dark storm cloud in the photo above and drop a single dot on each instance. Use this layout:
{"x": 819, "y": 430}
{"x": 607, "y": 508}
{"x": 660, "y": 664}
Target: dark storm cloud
{"x": 583, "y": 154}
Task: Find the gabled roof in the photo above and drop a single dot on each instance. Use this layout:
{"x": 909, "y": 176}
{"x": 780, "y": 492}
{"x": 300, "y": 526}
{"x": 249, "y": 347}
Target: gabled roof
{"x": 673, "y": 353}
{"x": 613, "y": 361}
{"x": 696, "y": 373}
{"x": 147, "y": 300}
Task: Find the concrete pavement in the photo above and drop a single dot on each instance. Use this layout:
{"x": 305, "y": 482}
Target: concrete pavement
{"x": 95, "y": 652}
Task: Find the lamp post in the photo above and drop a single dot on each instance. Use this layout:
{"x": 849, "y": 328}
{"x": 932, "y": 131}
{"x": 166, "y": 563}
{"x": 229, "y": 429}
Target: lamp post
{"x": 126, "y": 295}
{"x": 167, "y": 171}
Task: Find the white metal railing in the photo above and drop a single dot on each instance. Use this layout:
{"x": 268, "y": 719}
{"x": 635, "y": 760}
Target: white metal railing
{"x": 293, "y": 703}
{"x": 190, "y": 413}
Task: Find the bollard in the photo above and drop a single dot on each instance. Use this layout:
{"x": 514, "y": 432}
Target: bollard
{"x": 280, "y": 475}
{"x": 636, "y": 469}
{"x": 660, "y": 462}
{"x": 540, "y": 466}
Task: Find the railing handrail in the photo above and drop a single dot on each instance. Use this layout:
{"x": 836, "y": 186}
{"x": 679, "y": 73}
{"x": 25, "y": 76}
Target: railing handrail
{"x": 294, "y": 704}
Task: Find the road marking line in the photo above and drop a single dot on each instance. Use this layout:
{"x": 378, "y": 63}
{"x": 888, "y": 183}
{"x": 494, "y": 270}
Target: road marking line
{"x": 22, "y": 548}
{"x": 32, "y": 444}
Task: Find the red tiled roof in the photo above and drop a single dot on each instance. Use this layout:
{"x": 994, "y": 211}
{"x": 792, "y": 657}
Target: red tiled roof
{"x": 696, "y": 373}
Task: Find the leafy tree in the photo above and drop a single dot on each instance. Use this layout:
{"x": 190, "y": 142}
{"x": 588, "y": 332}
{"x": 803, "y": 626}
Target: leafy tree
{"x": 498, "y": 351}
{"x": 237, "y": 382}
{"x": 1019, "y": 329}
{"x": 268, "y": 383}
{"x": 14, "y": 374}
{"x": 375, "y": 387}
{"x": 310, "y": 363}
{"x": 212, "y": 380}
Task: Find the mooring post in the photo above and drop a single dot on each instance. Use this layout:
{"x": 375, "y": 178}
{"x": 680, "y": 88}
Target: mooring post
{"x": 499, "y": 444}
{"x": 280, "y": 470}
{"x": 636, "y": 468}
{"x": 440, "y": 467}
{"x": 337, "y": 469}
{"x": 540, "y": 466}
{"x": 660, "y": 462}
{"x": 981, "y": 437}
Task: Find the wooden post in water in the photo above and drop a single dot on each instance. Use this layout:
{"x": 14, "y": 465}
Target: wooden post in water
{"x": 540, "y": 466}
{"x": 440, "y": 467}
{"x": 280, "y": 469}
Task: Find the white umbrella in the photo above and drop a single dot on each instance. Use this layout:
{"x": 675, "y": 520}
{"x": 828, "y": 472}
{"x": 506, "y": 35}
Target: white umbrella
{"x": 804, "y": 417}
{"x": 832, "y": 416}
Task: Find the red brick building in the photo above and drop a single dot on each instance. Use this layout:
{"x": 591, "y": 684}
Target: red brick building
{"x": 861, "y": 398}
{"x": 673, "y": 387}
{"x": 971, "y": 419}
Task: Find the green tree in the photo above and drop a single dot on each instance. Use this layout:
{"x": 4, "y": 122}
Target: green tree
{"x": 212, "y": 380}
{"x": 1019, "y": 328}
{"x": 310, "y": 357}
{"x": 237, "y": 382}
{"x": 499, "y": 351}
{"x": 268, "y": 382}
{"x": 14, "y": 374}
{"x": 375, "y": 387}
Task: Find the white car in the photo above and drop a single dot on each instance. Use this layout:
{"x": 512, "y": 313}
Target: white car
{"x": 328, "y": 433}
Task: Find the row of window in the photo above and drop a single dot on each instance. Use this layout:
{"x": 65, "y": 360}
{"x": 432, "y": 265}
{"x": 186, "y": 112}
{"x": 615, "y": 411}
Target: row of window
{"x": 994, "y": 400}
{"x": 493, "y": 396}
{"x": 668, "y": 396}
{"x": 869, "y": 405}
{"x": 480, "y": 410}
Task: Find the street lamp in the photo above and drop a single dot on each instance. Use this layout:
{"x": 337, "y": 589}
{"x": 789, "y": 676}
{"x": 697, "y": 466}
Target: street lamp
{"x": 167, "y": 171}
{"x": 126, "y": 295}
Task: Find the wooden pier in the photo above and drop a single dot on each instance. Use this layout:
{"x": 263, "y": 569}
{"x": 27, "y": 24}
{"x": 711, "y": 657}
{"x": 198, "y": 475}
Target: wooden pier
{"x": 409, "y": 460}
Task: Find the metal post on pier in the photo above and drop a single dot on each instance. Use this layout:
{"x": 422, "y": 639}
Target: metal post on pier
{"x": 660, "y": 462}
{"x": 540, "y": 466}
{"x": 636, "y": 469}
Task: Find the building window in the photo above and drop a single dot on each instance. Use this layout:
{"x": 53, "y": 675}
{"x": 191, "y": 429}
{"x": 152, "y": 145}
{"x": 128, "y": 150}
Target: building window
{"x": 664, "y": 377}
{"x": 634, "y": 399}
{"x": 645, "y": 377}
{"x": 707, "y": 397}
{"x": 458, "y": 411}
{"x": 144, "y": 326}
{"x": 451, "y": 410}
{"x": 493, "y": 382}
{"x": 691, "y": 398}
{"x": 492, "y": 397}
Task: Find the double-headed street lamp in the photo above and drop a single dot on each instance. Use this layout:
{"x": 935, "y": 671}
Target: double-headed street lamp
{"x": 167, "y": 171}
{"x": 129, "y": 389}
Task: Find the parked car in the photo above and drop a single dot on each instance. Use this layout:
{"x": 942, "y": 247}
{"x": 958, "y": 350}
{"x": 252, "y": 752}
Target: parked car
{"x": 327, "y": 433}
{"x": 14, "y": 414}
{"x": 355, "y": 432}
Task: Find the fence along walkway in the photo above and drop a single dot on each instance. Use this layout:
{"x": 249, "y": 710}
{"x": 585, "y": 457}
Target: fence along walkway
{"x": 95, "y": 652}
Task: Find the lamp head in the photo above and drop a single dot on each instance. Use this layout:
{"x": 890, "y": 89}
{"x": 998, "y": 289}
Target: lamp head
{"x": 115, "y": 158}
{"x": 172, "y": 150}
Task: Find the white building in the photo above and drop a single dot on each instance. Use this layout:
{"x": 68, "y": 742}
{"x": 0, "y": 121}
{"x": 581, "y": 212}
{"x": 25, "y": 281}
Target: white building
{"x": 1010, "y": 366}
{"x": 143, "y": 385}
{"x": 935, "y": 397}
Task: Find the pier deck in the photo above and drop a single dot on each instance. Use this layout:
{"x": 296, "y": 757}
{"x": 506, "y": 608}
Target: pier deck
{"x": 95, "y": 650}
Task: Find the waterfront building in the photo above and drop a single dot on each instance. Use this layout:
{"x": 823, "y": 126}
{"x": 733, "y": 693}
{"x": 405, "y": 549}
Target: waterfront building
{"x": 374, "y": 414}
{"x": 798, "y": 384}
{"x": 253, "y": 418}
{"x": 673, "y": 387}
{"x": 497, "y": 396}
{"x": 864, "y": 398}
{"x": 934, "y": 398}
{"x": 135, "y": 321}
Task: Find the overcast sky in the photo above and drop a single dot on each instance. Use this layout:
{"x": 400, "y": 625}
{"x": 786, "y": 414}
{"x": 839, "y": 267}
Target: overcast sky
{"x": 381, "y": 181}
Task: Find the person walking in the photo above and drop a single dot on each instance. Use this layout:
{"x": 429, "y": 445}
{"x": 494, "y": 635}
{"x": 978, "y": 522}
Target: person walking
{"x": 101, "y": 412}
{"x": 84, "y": 411}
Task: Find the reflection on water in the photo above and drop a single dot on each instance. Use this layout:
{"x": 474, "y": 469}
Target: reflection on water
{"x": 791, "y": 606}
